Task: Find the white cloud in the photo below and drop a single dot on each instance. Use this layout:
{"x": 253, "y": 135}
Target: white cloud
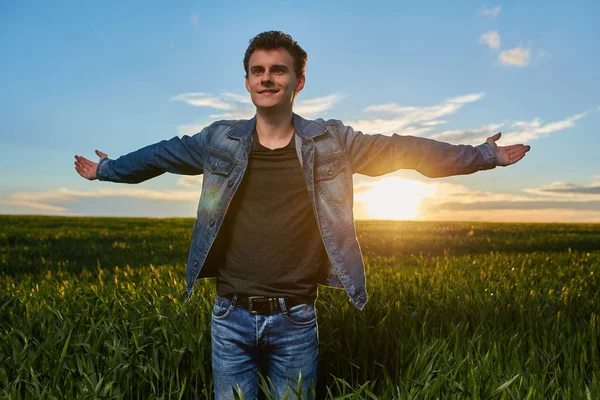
{"x": 518, "y": 56}
{"x": 237, "y": 106}
{"x": 194, "y": 181}
{"x": 491, "y": 39}
{"x": 391, "y": 107}
{"x": 513, "y": 131}
{"x": 203, "y": 100}
{"x": 528, "y": 130}
{"x": 317, "y": 105}
{"x": 239, "y": 98}
{"x": 569, "y": 190}
{"x": 491, "y": 12}
{"x": 434, "y": 123}
{"x": 237, "y": 112}
{"x": 476, "y": 135}
{"x": 410, "y": 115}
{"x": 38, "y": 205}
{"x": 55, "y": 200}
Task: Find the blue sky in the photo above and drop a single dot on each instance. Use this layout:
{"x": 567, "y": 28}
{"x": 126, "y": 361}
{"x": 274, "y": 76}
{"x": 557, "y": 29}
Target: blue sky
{"x": 77, "y": 76}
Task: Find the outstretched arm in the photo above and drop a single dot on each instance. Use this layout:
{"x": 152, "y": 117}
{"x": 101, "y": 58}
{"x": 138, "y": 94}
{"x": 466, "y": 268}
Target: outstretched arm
{"x": 87, "y": 168}
{"x": 375, "y": 155}
{"x": 179, "y": 155}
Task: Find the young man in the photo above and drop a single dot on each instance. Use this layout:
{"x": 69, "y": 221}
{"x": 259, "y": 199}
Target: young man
{"x": 275, "y": 215}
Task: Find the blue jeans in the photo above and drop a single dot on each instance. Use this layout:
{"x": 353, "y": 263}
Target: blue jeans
{"x": 280, "y": 345}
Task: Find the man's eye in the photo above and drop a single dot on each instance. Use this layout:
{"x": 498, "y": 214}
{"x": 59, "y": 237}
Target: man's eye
{"x": 278, "y": 70}
{"x": 257, "y": 72}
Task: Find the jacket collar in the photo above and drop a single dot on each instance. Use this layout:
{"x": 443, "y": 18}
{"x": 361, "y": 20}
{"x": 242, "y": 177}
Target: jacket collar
{"x": 306, "y": 128}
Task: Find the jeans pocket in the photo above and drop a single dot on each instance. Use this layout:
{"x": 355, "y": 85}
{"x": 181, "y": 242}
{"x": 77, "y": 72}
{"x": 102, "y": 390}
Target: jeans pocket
{"x": 301, "y": 315}
{"x": 221, "y": 308}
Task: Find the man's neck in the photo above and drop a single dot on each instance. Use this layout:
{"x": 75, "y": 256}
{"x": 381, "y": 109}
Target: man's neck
{"x": 274, "y": 130}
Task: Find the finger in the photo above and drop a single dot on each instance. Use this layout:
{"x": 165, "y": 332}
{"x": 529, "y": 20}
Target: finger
{"x": 516, "y": 151}
{"x": 517, "y": 158}
{"x": 515, "y": 146}
{"x": 495, "y": 137}
{"x": 82, "y": 171}
{"x": 82, "y": 159}
{"x": 86, "y": 163}
{"x": 101, "y": 154}
{"x": 89, "y": 164}
{"x": 516, "y": 155}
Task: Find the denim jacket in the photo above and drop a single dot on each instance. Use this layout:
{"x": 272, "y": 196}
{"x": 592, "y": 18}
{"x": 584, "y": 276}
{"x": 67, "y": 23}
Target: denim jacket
{"x": 329, "y": 152}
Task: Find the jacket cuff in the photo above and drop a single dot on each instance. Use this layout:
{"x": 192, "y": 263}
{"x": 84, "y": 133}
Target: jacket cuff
{"x": 101, "y": 170}
{"x": 489, "y": 155}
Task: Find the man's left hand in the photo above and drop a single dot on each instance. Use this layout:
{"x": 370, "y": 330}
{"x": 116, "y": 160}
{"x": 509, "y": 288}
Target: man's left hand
{"x": 507, "y": 155}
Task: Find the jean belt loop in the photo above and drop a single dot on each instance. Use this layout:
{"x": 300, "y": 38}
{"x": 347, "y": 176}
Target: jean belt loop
{"x": 282, "y": 305}
{"x": 233, "y": 302}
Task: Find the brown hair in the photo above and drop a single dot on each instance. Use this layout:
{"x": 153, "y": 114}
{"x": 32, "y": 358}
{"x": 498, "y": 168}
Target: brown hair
{"x": 271, "y": 40}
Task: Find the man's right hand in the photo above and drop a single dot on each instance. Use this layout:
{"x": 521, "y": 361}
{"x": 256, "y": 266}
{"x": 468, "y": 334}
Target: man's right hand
{"x": 87, "y": 168}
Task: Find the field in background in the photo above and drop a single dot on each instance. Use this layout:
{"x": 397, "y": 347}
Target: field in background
{"x": 93, "y": 308}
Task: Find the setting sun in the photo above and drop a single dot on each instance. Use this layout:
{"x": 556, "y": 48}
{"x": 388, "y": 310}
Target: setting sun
{"x": 393, "y": 198}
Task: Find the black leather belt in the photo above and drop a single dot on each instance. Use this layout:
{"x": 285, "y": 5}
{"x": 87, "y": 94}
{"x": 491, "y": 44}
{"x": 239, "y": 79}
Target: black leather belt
{"x": 263, "y": 304}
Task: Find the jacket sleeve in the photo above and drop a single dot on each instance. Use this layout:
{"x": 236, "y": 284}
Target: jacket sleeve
{"x": 375, "y": 155}
{"x": 183, "y": 156}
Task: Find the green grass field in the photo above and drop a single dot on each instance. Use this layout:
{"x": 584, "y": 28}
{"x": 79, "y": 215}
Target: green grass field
{"x": 93, "y": 308}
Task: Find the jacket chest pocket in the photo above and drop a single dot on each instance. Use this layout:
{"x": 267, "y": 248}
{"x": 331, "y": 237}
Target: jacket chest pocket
{"x": 218, "y": 163}
{"x": 217, "y": 171}
{"x": 331, "y": 182}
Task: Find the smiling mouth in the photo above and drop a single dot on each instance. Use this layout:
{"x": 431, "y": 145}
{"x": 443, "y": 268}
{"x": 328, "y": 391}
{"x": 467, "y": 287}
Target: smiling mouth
{"x": 268, "y": 91}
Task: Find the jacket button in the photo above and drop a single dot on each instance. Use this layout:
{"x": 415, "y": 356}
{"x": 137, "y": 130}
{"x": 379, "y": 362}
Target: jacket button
{"x": 329, "y": 172}
{"x": 212, "y": 222}
{"x": 230, "y": 183}
{"x": 215, "y": 165}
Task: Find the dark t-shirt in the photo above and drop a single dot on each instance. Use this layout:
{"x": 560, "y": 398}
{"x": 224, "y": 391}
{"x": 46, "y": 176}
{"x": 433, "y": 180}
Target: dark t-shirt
{"x": 269, "y": 244}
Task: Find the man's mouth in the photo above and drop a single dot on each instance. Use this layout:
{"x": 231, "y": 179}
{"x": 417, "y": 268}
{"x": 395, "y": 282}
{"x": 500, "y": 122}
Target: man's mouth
{"x": 268, "y": 91}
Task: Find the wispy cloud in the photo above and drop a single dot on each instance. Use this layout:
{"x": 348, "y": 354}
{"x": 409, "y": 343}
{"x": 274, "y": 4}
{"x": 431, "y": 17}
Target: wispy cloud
{"x": 57, "y": 200}
{"x": 434, "y": 123}
{"x": 194, "y": 181}
{"x": 570, "y": 190}
{"x": 475, "y": 135}
{"x": 317, "y": 105}
{"x": 513, "y": 131}
{"x": 407, "y": 116}
{"x": 491, "y": 39}
{"x": 518, "y": 57}
{"x": 200, "y": 99}
{"x": 195, "y": 18}
{"x": 237, "y": 106}
{"x": 492, "y": 12}
{"x": 238, "y": 98}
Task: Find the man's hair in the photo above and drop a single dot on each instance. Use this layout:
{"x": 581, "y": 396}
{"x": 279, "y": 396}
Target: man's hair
{"x": 271, "y": 40}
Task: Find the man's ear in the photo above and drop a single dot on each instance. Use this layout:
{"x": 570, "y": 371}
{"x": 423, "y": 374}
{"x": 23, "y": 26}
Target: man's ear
{"x": 300, "y": 85}
{"x": 247, "y": 85}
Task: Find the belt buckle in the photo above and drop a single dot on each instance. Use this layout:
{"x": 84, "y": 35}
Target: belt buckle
{"x": 251, "y": 300}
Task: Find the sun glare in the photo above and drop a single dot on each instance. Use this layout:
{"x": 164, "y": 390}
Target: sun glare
{"x": 393, "y": 198}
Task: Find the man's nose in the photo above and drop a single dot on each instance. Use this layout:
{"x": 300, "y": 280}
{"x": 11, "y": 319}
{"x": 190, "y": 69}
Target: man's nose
{"x": 266, "y": 80}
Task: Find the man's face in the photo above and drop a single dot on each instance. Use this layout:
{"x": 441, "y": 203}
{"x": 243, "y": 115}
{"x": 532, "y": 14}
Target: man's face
{"x": 271, "y": 80}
